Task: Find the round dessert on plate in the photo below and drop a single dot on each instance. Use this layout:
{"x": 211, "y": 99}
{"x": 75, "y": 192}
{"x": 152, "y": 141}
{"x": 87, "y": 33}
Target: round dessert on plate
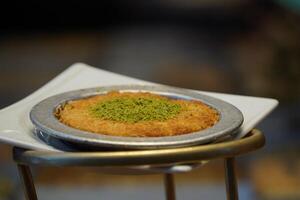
{"x": 137, "y": 114}
{"x": 135, "y": 117}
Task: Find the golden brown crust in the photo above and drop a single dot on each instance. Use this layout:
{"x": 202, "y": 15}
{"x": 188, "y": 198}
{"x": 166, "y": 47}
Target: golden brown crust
{"x": 195, "y": 116}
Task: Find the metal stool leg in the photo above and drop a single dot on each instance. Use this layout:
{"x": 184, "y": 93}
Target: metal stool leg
{"x": 230, "y": 179}
{"x": 169, "y": 186}
{"x": 27, "y": 181}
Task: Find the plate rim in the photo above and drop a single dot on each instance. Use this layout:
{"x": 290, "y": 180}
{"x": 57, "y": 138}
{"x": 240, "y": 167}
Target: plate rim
{"x": 41, "y": 115}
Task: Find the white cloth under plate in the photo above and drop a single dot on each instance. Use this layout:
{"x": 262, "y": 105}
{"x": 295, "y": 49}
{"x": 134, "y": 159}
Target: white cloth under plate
{"x": 16, "y": 128}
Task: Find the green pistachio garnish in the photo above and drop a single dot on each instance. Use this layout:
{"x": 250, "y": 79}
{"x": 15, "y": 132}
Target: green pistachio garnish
{"x": 132, "y": 110}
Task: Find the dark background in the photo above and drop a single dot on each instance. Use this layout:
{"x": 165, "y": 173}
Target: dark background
{"x": 240, "y": 47}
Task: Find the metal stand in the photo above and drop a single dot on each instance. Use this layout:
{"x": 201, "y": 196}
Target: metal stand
{"x": 169, "y": 187}
{"x": 230, "y": 179}
{"x": 227, "y": 150}
{"x": 28, "y": 185}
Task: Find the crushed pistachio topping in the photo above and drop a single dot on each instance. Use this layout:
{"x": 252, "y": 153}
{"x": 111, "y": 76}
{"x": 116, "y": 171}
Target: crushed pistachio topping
{"x": 132, "y": 110}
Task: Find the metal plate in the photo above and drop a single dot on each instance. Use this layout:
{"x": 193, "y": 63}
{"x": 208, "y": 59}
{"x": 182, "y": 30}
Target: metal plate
{"x": 42, "y": 116}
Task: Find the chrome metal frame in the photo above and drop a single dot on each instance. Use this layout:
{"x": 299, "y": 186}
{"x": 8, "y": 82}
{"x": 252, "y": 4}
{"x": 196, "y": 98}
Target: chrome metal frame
{"x": 227, "y": 150}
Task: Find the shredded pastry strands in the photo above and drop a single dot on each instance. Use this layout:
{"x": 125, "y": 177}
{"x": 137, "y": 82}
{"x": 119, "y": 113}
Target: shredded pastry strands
{"x": 137, "y": 114}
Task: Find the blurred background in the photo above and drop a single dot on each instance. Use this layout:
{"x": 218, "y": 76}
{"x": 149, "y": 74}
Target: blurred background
{"x": 231, "y": 46}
